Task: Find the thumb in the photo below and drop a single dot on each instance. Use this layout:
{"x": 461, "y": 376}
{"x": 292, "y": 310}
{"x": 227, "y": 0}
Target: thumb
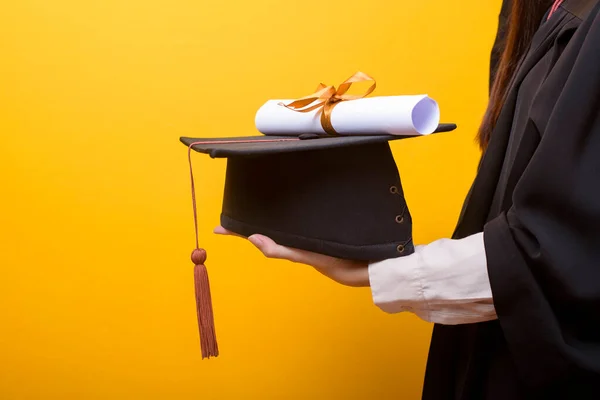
{"x": 266, "y": 245}
{"x": 270, "y": 249}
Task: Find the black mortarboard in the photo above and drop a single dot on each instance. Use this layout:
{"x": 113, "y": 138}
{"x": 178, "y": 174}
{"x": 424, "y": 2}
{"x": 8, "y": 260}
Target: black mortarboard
{"x": 341, "y": 196}
{"x": 338, "y": 195}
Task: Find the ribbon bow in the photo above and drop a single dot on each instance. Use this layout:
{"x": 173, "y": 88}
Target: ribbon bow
{"x": 328, "y": 97}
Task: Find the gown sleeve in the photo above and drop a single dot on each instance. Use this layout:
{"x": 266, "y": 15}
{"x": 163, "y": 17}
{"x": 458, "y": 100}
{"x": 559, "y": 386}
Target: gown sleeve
{"x": 543, "y": 254}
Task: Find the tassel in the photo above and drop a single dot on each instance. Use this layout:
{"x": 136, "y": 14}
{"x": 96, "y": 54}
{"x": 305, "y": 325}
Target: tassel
{"x": 204, "y": 308}
{"x": 206, "y": 323}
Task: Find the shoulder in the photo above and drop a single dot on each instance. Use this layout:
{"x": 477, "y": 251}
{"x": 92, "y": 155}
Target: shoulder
{"x": 581, "y": 9}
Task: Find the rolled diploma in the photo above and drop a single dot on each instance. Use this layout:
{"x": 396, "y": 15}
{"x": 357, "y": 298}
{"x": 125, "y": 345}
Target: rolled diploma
{"x": 392, "y": 115}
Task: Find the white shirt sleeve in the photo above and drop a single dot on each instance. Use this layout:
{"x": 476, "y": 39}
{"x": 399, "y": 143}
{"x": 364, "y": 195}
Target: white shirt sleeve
{"x": 444, "y": 282}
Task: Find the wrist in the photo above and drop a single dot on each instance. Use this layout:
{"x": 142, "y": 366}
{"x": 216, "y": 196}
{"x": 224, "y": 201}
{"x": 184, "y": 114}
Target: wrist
{"x": 362, "y": 277}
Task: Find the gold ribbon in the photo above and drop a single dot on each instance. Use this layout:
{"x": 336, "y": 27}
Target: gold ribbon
{"x": 328, "y": 97}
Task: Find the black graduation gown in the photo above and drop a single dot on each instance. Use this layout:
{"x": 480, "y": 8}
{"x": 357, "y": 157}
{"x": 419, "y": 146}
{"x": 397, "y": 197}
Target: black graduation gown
{"x": 536, "y": 197}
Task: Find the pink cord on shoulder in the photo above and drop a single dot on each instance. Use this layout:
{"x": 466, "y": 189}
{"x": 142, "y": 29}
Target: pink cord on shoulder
{"x": 555, "y": 6}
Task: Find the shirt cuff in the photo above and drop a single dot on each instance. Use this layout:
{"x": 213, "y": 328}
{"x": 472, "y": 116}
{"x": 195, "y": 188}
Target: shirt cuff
{"x": 396, "y": 284}
{"x": 444, "y": 282}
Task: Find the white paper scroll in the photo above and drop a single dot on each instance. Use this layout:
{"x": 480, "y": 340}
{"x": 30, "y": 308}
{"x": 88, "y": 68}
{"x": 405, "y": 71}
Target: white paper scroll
{"x": 395, "y": 115}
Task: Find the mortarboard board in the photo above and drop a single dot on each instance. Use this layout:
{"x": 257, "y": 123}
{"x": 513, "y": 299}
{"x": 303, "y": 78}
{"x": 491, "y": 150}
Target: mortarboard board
{"x": 340, "y": 196}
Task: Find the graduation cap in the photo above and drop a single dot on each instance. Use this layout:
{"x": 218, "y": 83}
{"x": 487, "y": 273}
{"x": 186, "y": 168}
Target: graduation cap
{"x": 336, "y": 195}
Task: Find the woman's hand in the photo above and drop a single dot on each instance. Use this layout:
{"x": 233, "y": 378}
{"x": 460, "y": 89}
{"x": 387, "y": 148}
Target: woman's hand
{"x": 345, "y": 272}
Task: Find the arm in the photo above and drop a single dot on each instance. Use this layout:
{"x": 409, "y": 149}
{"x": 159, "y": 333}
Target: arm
{"x": 443, "y": 282}
{"x": 544, "y": 253}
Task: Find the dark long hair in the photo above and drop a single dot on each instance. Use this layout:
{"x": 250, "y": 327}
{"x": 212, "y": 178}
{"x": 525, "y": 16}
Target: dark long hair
{"x": 525, "y": 17}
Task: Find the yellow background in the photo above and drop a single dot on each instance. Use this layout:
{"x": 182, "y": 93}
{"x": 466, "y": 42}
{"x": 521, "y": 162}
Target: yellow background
{"x": 96, "y": 295}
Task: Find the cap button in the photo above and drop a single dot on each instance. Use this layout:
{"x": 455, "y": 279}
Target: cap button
{"x": 308, "y": 136}
{"x": 199, "y": 256}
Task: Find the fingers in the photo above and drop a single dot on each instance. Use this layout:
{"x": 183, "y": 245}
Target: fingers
{"x": 273, "y": 250}
{"x": 270, "y": 249}
{"x": 342, "y": 271}
{"x": 219, "y": 230}
{"x": 266, "y": 245}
